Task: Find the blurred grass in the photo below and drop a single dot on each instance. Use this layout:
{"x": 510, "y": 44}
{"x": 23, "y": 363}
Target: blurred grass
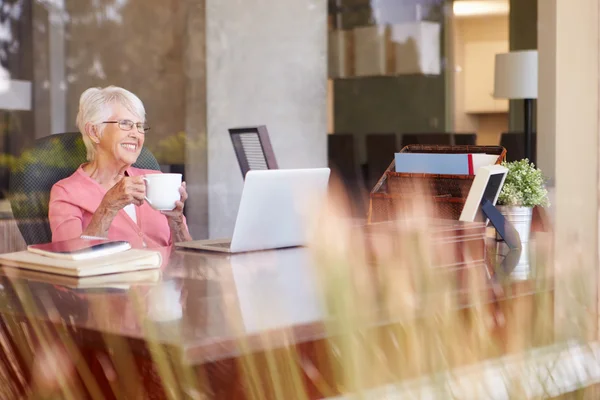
{"x": 392, "y": 317}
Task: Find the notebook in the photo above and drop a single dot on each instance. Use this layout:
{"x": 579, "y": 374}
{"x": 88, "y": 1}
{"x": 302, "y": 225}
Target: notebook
{"x": 80, "y": 248}
{"x": 130, "y": 260}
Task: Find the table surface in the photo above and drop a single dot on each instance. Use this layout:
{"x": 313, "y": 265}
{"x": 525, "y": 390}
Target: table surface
{"x": 203, "y": 302}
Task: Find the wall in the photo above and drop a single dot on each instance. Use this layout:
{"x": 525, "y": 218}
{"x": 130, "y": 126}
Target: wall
{"x": 568, "y": 150}
{"x": 487, "y": 126}
{"x": 490, "y": 126}
{"x": 266, "y": 64}
{"x": 196, "y": 158}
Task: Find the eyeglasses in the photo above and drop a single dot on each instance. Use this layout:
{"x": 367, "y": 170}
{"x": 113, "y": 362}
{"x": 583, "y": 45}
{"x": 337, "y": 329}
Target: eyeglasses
{"x": 127, "y": 125}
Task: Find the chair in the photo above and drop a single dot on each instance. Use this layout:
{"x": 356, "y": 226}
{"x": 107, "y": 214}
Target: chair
{"x": 253, "y": 148}
{"x": 465, "y": 139}
{"x": 426, "y": 138}
{"x": 381, "y": 148}
{"x": 342, "y": 157}
{"x": 4, "y": 176}
{"x": 514, "y": 144}
{"x": 51, "y": 159}
{"x": 341, "y": 153}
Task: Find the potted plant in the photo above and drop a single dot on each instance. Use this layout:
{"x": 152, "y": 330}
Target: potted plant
{"x": 523, "y": 189}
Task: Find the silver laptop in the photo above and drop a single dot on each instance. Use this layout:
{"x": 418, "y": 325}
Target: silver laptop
{"x": 273, "y": 212}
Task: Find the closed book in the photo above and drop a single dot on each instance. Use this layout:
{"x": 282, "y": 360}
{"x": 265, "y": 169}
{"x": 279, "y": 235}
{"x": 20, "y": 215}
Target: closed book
{"x": 441, "y": 163}
{"x": 130, "y": 260}
{"x": 80, "y": 248}
{"x": 121, "y": 280}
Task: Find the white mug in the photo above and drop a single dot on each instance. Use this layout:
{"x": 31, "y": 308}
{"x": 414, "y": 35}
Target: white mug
{"x": 162, "y": 190}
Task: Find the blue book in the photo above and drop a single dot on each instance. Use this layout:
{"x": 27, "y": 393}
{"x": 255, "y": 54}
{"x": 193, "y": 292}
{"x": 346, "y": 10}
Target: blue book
{"x": 441, "y": 163}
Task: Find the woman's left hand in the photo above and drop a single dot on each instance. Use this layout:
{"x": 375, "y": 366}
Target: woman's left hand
{"x": 176, "y": 214}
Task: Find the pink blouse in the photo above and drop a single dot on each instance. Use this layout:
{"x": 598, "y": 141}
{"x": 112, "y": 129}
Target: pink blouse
{"x": 74, "y": 200}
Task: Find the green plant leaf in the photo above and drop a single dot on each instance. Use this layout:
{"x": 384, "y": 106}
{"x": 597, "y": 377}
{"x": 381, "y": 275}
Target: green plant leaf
{"x": 524, "y": 185}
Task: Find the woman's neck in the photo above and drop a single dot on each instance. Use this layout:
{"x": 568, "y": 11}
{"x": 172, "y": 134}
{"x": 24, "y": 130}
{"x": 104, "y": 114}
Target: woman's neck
{"x": 105, "y": 173}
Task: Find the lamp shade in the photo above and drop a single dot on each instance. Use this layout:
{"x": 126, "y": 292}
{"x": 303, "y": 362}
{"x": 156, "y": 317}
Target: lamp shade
{"x": 516, "y": 75}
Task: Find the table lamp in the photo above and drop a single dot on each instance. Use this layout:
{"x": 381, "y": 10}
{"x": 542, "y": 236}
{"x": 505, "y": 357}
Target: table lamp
{"x": 516, "y": 77}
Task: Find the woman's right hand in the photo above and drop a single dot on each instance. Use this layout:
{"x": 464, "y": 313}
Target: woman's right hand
{"x": 129, "y": 190}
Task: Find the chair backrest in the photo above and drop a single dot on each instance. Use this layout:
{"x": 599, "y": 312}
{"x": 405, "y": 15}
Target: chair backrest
{"x": 426, "y": 138}
{"x": 381, "y": 148}
{"x": 51, "y": 159}
{"x": 514, "y": 143}
{"x": 343, "y": 161}
{"x": 252, "y": 148}
{"x": 465, "y": 139}
{"x": 341, "y": 155}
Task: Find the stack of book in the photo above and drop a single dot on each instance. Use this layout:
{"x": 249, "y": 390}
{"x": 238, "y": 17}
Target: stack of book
{"x": 443, "y": 163}
{"x": 82, "y": 262}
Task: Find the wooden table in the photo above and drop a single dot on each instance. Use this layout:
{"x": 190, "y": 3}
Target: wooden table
{"x": 209, "y": 315}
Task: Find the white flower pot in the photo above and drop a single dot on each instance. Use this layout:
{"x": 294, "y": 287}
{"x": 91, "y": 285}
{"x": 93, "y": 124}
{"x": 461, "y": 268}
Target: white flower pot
{"x": 520, "y": 218}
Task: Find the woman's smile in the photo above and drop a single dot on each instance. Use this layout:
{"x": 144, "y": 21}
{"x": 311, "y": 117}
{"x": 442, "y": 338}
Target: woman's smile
{"x": 132, "y": 147}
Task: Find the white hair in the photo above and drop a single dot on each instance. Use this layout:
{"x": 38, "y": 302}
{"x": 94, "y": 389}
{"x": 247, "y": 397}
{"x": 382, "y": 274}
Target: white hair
{"x": 96, "y": 106}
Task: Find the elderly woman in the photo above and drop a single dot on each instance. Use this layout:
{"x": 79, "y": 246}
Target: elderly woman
{"x": 105, "y": 196}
